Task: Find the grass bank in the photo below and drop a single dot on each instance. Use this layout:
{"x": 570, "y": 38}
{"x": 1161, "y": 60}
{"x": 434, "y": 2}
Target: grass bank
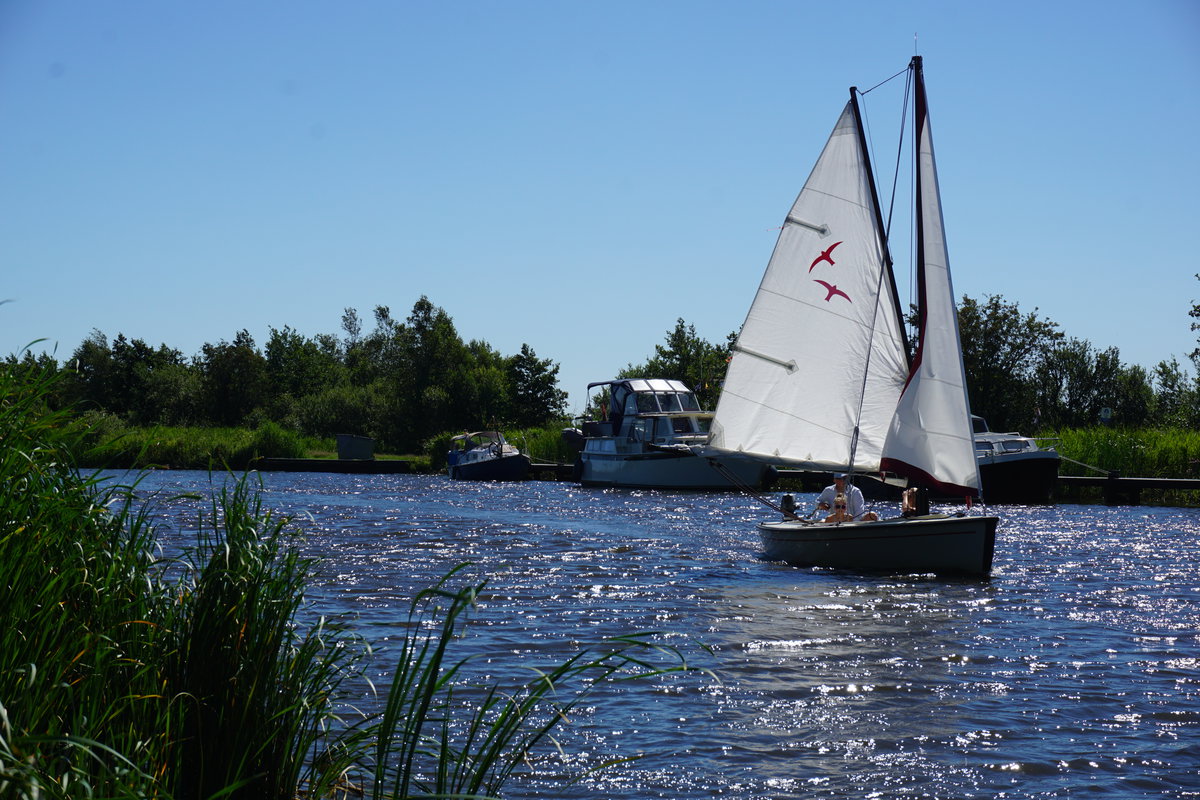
{"x": 1148, "y": 453}
{"x": 103, "y": 441}
{"x": 1143, "y": 453}
{"x": 127, "y": 675}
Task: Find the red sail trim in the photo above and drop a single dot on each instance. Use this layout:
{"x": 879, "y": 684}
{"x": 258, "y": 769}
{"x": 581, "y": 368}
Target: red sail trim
{"x": 923, "y": 478}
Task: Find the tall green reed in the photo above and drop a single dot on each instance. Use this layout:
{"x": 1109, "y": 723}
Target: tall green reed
{"x": 1152, "y": 453}
{"x": 251, "y": 694}
{"x": 77, "y": 622}
{"x": 118, "y": 680}
{"x": 430, "y": 743}
{"x": 123, "y": 674}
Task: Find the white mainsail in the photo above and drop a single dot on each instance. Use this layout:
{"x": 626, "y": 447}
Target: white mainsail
{"x": 821, "y": 353}
{"x": 931, "y": 439}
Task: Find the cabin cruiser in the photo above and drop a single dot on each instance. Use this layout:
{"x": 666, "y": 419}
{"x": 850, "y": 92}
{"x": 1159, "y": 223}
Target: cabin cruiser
{"x": 485, "y": 456}
{"x": 1012, "y": 467}
{"x": 642, "y": 437}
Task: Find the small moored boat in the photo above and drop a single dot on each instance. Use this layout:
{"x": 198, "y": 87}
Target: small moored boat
{"x": 1014, "y": 468}
{"x": 485, "y": 456}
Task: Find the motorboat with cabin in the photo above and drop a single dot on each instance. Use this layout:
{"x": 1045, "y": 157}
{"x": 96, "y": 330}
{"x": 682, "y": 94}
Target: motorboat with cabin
{"x": 1012, "y": 467}
{"x": 485, "y": 456}
{"x": 642, "y": 437}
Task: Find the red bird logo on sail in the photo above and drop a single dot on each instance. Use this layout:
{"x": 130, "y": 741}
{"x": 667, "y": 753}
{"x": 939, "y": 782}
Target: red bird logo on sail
{"x": 832, "y": 289}
{"x": 825, "y": 256}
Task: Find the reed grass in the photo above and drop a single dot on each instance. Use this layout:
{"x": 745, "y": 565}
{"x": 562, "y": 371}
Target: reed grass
{"x": 427, "y": 746}
{"x": 544, "y": 444}
{"x": 108, "y": 444}
{"x": 124, "y": 674}
{"x": 1149, "y": 453}
{"x": 251, "y": 693}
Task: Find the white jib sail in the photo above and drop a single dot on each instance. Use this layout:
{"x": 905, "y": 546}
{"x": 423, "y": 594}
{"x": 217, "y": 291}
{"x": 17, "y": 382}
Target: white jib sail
{"x": 821, "y": 351}
{"x": 931, "y": 437}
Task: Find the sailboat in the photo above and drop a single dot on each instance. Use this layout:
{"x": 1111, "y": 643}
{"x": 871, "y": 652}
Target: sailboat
{"x": 821, "y": 377}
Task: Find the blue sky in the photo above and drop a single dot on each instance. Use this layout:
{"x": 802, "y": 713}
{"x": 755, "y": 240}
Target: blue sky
{"x": 572, "y": 176}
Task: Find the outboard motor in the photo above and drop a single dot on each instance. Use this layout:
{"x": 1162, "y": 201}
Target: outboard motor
{"x": 788, "y": 504}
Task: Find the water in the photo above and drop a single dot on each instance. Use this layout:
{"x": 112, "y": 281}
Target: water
{"x": 1074, "y": 671}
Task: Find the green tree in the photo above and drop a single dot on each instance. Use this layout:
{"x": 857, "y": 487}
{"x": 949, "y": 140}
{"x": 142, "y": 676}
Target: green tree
{"x": 426, "y": 368}
{"x": 234, "y": 379}
{"x": 1135, "y": 397}
{"x": 134, "y": 365}
{"x": 89, "y": 382}
{"x": 536, "y": 398}
{"x": 1002, "y": 351}
{"x": 1195, "y": 314}
{"x": 1176, "y": 397}
{"x": 1074, "y": 383}
{"x": 486, "y": 400}
{"x": 687, "y": 357}
{"x": 175, "y": 393}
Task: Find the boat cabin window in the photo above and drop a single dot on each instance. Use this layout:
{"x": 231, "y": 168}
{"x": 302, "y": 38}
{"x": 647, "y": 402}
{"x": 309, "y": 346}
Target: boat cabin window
{"x": 1013, "y": 447}
{"x": 669, "y": 401}
{"x": 659, "y": 402}
{"x": 983, "y": 447}
{"x": 680, "y": 424}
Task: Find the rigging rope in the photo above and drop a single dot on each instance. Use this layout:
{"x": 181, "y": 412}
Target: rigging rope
{"x": 745, "y": 488}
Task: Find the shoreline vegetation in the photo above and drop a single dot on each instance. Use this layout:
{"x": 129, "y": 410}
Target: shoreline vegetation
{"x": 1098, "y": 450}
{"x": 129, "y": 673}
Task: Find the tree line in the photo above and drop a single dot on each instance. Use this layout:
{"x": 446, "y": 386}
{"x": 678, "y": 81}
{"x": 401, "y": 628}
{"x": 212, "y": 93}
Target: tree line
{"x": 403, "y": 383}
{"x": 400, "y": 383}
{"x": 1023, "y": 373}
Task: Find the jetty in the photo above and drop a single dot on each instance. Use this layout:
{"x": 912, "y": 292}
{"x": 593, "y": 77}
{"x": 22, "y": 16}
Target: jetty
{"x": 348, "y": 466}
{"x": 355, "y": 456}
{"x": 1118, "y": 490}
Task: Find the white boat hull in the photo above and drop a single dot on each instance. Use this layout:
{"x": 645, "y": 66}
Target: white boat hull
{"x": 667, "y": 470}
{"x": 938, "y": 543}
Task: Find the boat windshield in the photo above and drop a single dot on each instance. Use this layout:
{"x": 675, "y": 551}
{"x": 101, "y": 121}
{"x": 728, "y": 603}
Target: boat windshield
{"x": 654, "y": 401}
{"x": 669, "y": 401}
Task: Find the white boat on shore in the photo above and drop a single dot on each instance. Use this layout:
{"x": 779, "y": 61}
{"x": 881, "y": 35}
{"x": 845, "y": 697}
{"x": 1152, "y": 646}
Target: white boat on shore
{"x": 822, "y": 379}
{"x": 643, "y": 438}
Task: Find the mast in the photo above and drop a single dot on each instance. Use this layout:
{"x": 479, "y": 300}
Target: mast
{"x": 878, "y": 209}
{"x": 886, "y": 272}
{"x": 920, "y": 109}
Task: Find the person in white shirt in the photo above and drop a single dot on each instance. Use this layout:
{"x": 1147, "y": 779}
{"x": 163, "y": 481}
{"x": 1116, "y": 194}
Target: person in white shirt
{"x": 856, "y": 506}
